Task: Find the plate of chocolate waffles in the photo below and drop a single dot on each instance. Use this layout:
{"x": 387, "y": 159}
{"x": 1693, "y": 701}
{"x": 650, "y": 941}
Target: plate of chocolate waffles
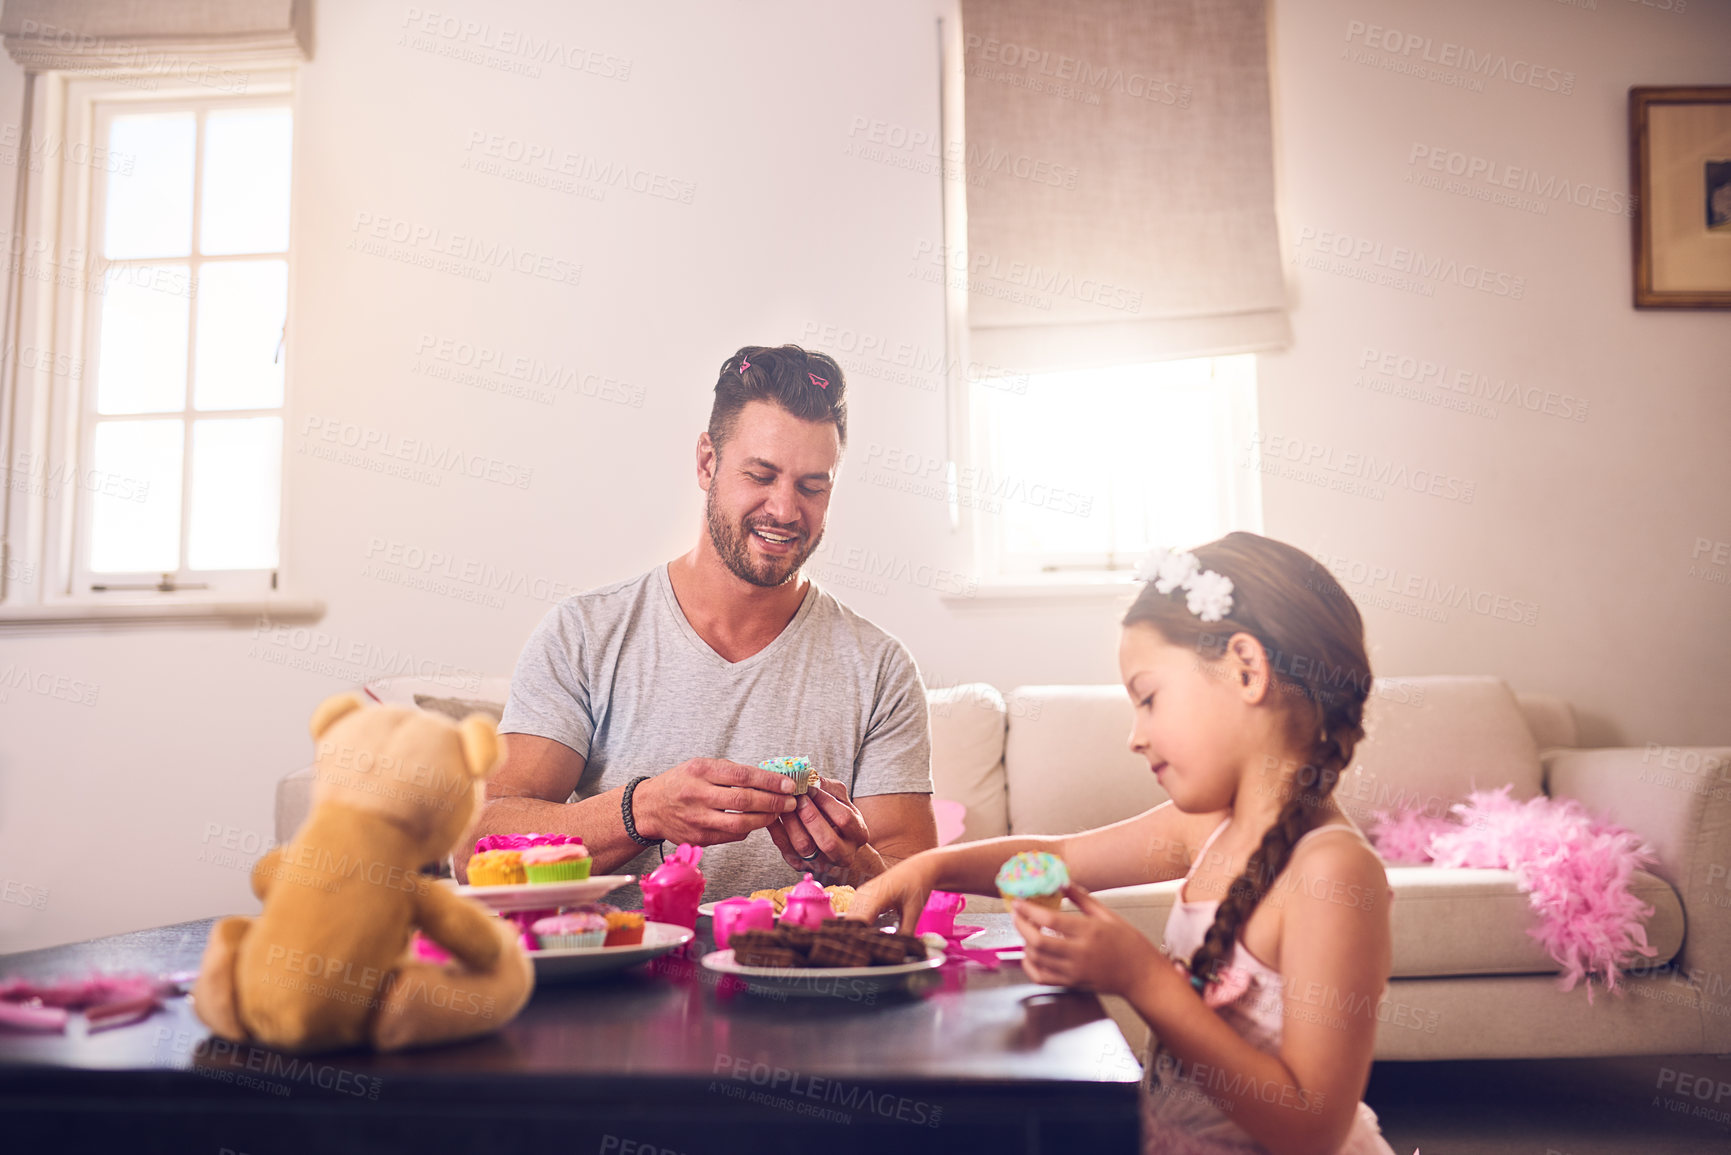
{"x": 797, "y": 959}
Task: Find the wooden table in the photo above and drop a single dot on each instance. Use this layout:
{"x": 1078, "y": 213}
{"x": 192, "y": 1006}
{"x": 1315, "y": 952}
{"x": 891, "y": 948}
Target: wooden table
{"x": 656, "y": 1060}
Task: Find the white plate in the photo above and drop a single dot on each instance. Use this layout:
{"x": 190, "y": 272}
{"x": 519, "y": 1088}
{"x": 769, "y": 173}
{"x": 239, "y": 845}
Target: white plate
{"x": 707, "y": 909}
{"x": 584, "y": 962}
{"x": 545, "y": 895}
{"x": 847, "y": 982}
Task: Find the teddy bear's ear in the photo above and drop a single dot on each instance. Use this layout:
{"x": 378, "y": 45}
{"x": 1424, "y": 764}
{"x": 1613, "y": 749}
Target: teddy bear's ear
{"x": 480, "y": 739}
{"x": 331, "y": 709}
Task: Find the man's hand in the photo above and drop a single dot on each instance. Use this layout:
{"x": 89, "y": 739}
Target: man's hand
{"x": 1095, "y": 950}
{"x": 827, "y": 835}
{"x": 706, "y": 801}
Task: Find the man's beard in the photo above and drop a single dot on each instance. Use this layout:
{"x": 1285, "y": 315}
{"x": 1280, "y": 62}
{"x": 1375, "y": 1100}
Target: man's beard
{"x": 733, "y": 544}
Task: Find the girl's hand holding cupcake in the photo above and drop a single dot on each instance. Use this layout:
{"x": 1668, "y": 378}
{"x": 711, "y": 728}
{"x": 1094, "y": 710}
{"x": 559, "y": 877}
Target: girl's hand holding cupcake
{"x": 1093, "y": 949}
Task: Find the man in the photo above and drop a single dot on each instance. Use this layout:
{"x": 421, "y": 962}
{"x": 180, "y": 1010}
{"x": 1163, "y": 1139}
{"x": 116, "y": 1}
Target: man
{"x": 639, "y": 711}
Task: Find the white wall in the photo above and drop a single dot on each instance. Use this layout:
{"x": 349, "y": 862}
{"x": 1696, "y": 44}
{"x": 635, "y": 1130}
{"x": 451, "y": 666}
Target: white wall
{"x": 110, "y": 808}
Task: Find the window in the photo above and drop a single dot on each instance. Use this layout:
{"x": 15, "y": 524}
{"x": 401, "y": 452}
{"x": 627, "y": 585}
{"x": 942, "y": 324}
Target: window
{"x": 1075, "y": 475}
{"x": 1064, "y": 248}
{"x": 180, "y": 422}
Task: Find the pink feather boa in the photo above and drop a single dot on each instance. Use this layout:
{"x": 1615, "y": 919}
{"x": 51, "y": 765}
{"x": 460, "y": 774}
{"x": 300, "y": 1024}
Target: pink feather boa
{"x": 1574, "y": 868}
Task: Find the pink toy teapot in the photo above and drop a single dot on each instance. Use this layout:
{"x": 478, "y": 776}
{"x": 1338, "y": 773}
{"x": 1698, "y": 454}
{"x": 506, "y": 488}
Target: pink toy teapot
{"x": 807, "y": 905}
{"x": 672, "y": 890}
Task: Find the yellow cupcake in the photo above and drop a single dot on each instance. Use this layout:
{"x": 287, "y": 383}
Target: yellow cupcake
{"x": 497, "y": 868}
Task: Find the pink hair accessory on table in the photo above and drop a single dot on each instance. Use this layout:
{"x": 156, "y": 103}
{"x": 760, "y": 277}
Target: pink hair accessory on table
{"x": 955, "y": 954}
{"x": 106, "y": 1000}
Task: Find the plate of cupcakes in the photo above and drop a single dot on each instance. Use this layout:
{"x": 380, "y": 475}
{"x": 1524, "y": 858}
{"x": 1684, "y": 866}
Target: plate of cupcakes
{"x": 506, "y": 899}
{"x": 598, "y": 940}
{"x": 516, "y": 872}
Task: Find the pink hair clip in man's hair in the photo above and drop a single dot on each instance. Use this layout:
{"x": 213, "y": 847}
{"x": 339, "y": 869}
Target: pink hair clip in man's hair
{"x": 818, "y": 381}
{"x": 743, "y": 366}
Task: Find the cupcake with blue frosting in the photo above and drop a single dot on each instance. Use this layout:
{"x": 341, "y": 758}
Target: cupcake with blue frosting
{"x": 797, "y": 769}
{"x": 1034, "y": 876}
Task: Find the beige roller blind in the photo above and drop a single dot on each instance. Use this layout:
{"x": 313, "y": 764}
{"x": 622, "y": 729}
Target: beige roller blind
{"x": 1120, "y": 182}
{"x": 154, "y": 35}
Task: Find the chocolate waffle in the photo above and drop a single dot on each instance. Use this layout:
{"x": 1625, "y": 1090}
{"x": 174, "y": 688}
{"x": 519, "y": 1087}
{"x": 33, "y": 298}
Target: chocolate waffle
{"x": 837, "y": 950}
{"x": 837, "y": 943}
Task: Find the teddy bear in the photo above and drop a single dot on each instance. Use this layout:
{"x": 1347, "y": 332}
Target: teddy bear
{"x": 327, "y": 964}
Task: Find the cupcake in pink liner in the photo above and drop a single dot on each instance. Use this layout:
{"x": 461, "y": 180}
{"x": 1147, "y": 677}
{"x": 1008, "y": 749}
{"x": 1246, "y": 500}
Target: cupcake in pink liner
{"x": 571, "y": 931}
{"x": 523, "y": 920}
{"x": 601, "y": 908}
{"x": 567, "y": 863}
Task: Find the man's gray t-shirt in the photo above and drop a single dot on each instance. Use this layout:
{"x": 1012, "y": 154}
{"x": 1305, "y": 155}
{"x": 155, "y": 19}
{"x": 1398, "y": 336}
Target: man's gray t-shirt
{"x": 619, "y": 676}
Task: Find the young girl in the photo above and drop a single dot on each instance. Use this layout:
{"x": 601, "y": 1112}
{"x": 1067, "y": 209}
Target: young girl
{"x": 1246, "y": 664}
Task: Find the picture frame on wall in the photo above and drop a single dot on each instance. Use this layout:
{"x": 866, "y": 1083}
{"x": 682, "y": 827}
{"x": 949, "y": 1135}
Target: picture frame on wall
{"x": 1680, "y": 153}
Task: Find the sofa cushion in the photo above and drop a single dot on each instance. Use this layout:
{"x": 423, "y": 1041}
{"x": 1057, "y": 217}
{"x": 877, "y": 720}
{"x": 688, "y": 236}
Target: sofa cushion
{"x": 456, "y": 709}
{"x": 294, "y": 799}
{"x": 968, "y": 755}
{"x": 1551, "y": 719}
{"x": 1068, "y": 762}
{"x": 1446, "y": 921}
{"x": 1430, "y": 741}
{"x": 405, "y": 689}
{"x": 1460, "y": 921}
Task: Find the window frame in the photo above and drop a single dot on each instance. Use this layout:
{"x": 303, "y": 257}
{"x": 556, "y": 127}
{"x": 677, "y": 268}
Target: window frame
{"x": 993, "y": 588}
{"x": 58, "y": 316}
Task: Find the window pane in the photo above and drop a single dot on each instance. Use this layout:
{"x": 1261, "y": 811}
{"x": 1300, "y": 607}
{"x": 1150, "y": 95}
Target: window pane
{"x": 149, "y": 211}
{"x": 241, "y": 306}
{"x": 1049, "y": 440}
{"x": 236, "y": 486}
{"x": 141, "y": 367}
{"x": 1139, "y": 446}
{"x": 246, "y": 181}
{"x": 134, "y": 485}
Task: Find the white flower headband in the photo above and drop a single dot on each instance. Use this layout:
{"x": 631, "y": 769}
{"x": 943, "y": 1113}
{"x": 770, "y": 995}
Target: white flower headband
{"x": 1207, "y": 594}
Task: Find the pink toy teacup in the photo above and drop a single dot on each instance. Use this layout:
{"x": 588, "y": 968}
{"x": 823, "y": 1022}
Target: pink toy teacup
{"x": 733, "y": 915}
{"x": 939, "y": 916}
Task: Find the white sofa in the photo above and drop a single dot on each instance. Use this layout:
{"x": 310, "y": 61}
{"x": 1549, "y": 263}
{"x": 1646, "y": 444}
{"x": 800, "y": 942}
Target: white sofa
{"x": 1468, "y": 981}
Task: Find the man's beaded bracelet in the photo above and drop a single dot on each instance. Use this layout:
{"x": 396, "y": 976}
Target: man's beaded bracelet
{"x": 625, "y": 812}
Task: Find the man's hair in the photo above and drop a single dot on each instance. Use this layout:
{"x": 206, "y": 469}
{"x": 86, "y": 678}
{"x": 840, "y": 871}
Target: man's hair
{"x": 806, "y": 384}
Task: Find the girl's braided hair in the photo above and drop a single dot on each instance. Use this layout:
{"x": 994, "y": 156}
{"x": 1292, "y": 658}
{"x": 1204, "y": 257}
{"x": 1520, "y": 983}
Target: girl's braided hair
{"x": 1314, "y": 640}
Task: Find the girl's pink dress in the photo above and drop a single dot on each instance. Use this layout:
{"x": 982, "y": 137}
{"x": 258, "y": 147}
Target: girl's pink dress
{"x": 1181, "y": 1113}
